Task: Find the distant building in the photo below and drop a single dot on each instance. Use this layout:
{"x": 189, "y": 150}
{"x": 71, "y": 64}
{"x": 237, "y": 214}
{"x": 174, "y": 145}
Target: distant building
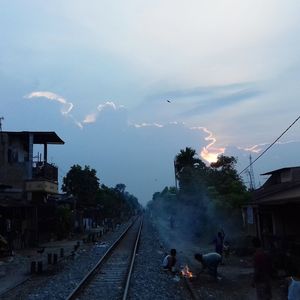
{"x": 26, "y": 181}
{"x": 274, "y": 212}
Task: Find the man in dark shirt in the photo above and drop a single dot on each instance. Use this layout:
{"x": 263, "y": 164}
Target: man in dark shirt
{"x": 262, "y": 272}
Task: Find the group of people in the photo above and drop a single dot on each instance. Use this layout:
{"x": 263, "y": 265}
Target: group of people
{"x": 261, "y": 263}
{"x": 209, "y": 261}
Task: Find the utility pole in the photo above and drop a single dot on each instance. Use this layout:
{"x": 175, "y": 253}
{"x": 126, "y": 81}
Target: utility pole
{"x": 251, "y": 175}
{"x": 1, "y": 119}
{"x": 1, "y": 137}
{"x": 175, "y": 175}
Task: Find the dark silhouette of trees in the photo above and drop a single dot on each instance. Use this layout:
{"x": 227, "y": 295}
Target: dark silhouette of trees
{"x": 190, "y": 171}
{"x": 229, "y": 189}
{"x": 83, "y": 184}
{"x": 207, "y": 196}
{"x": 116, "y": 202}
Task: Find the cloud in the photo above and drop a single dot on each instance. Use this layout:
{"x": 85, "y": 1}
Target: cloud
{"x": 107, "y": 106}
{"x": 209, "y": 152}
{"x": 221, "y": 97}
{"x": 148, "y": 125}
{"x": 201, "y": 91}
{"x": 66, "y": 106}
{"x": 259, "y": 147}
{"x": 91, "y": 118}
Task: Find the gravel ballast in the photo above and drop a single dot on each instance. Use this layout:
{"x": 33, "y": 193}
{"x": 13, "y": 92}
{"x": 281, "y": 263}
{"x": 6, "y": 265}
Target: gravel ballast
{"x": 58, "y": 283}
{"x": 149, "y": 281}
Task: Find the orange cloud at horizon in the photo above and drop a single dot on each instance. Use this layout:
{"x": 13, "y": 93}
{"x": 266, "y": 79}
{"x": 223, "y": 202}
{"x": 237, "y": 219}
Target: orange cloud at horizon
{"x": 210, "y": 153}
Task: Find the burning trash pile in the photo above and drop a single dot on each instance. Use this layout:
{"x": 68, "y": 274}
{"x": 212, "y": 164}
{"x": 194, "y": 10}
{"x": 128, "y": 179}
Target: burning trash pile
{"x": 185, "y": 272}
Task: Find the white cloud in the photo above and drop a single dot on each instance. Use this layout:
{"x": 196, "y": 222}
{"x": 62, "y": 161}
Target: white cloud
{"x": 91, "y": 118}
{"x": 259, "y": 147}
{"x": 148, "y": 125}
{"x": 66, "y": 106}
{"x": 108, "y": 105}
{"x": 211, "y": 42}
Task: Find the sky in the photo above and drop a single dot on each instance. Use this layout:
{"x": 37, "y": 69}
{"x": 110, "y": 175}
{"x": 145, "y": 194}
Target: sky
{"x": 128, "y": 84}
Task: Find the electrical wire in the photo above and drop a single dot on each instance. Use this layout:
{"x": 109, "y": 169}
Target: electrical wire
{"x": 269, "y": 147}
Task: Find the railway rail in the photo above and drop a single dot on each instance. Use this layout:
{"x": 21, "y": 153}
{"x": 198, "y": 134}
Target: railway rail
{"x": 193, "y": 288}
{"x": 110, "y": 277}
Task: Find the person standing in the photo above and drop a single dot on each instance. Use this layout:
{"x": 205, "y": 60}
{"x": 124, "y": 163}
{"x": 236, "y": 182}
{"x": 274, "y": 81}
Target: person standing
{"x": 219, "y": 242}
{"x": 262, "y": 272}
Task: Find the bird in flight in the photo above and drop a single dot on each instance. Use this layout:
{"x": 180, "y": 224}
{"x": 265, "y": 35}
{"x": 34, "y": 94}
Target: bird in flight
{"x": 169, "y": 101}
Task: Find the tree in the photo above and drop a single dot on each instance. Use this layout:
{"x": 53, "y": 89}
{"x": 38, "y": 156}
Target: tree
{"x": 184, "y": 159}
{"x": 82, "y": 183}
{"x": 120, "y": 188}
{"x": 115, "y": 202}
{"x": 229, "y": 189}
{"x": 190, "y": 171}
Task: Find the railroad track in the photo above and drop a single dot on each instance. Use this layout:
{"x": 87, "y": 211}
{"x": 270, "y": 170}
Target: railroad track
{"x": 110, "y": 277}
{"x": 193, "y": 288}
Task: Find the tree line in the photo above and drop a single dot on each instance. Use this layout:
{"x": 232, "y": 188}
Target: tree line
{"x": 90, "y": 199}
{"x": 205, "y": 196}
{"x": 83, "y": 184}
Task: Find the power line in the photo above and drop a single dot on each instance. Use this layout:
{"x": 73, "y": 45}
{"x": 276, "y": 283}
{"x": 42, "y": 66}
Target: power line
{"x": 268, "y": 147}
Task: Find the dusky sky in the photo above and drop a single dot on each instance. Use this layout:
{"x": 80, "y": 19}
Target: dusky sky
{"x": 127, "y": 84}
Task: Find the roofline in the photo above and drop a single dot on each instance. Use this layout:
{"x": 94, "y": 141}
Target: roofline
{"x": 56, "y": 139}
{"x": 279, "y": 170}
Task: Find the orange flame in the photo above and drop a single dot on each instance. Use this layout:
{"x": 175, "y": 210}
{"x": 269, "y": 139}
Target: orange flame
{"x": 186, "y": 272}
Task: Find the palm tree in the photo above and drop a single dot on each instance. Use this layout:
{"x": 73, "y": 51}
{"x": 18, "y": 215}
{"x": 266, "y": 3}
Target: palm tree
{"x": 185, "y": 166}
{"x": 185, "y": 158}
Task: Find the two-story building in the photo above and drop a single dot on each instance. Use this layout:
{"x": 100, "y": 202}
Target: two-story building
{"x": 26, "y": 181}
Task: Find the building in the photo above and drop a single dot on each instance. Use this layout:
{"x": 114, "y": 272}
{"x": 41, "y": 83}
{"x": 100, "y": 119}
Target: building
{"x": 26, "y": 182}
{"x": 274, "y": 212}
{"x": 21, "y": 170}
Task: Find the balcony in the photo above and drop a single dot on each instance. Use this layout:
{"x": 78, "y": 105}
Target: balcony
{"x": 44, "y": 171}
{"x": 43, "y": 186}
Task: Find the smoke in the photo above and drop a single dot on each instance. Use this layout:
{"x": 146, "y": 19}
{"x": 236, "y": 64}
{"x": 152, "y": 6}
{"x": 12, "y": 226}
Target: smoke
{"x": 190, "y": 223}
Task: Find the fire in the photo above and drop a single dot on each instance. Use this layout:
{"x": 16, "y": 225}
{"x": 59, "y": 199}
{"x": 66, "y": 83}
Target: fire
{"x": 186, "y": 272}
